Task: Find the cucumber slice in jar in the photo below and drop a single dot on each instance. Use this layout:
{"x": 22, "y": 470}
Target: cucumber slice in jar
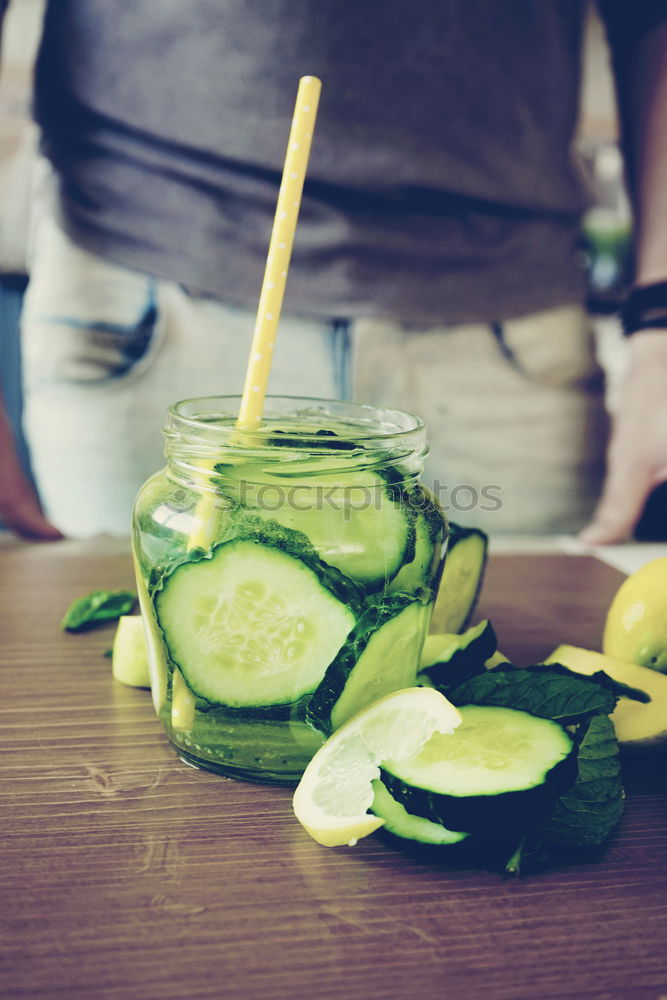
{"x": 381, "y": 655}
{"x": 501, "y": 771}
{"x": 356, "y": 526}
{"x": 353, "y": 520}
{"x": 417, "y": 573}
{"x": 407, "y": 826}
{"x": 462, "y": 578}
{"x": 251, "y": 624}
{"x": 430, "y": 534}
{"x": 157, "y": 662}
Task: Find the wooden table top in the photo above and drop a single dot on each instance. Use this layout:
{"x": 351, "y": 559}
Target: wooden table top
{"x": 125, "y": 873}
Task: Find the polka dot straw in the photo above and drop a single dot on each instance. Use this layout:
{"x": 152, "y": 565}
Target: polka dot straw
{"x": 280, "y": 249}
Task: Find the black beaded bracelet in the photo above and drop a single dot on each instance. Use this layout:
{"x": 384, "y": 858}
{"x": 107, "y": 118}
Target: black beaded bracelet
{"x": 645, "y": 308}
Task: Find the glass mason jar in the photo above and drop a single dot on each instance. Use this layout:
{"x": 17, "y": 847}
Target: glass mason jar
{"x": 286, "y": 575}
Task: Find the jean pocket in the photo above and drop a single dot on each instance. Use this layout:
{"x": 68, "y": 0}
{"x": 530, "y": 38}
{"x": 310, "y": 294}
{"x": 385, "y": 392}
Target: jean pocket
{"x": 85, "y": 320}
{"x": 555, "y": 348}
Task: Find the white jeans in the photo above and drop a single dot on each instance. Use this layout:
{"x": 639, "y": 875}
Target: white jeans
{"x": 515, "y": 413}
{"x": 107, "y": 350}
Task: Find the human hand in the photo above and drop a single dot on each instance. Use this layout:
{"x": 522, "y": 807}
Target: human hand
{"x": 637, "y": 453}
{"x": 20, "y": 511}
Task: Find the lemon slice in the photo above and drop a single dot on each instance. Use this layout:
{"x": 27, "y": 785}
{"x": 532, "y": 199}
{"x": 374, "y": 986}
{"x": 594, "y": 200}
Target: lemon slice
{"x": 335, "y": 792}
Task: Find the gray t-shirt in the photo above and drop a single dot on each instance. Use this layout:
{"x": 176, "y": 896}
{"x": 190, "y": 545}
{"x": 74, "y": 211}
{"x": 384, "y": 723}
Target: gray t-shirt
{"x": 441, "y": 186}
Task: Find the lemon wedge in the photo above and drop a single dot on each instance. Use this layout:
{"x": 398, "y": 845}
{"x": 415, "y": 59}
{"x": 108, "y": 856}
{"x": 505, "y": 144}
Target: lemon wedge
{"x": 636, "y": 723}
{"x": 335, "y": 792}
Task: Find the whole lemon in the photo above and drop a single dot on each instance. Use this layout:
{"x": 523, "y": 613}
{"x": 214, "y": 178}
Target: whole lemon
{"x": 636, "y": 626}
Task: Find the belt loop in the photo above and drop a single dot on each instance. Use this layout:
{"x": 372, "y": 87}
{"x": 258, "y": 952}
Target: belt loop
{"x": 342, "y": 359}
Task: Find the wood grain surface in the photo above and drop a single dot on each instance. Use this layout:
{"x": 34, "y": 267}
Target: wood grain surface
{"x": 125, "y": 873}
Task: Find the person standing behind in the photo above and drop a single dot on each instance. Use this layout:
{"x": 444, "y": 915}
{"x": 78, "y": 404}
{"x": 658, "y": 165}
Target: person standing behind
{"x": 436, "y": 259}
{"x": 18, "y": 502}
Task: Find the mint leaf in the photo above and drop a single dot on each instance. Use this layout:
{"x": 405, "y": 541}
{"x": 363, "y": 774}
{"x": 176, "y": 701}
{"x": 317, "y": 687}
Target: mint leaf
{"x": 601, "y": 677}
{"x": 586, "y": 814}
{"x": 530, "y": 853}
{"x": 550, "y": 692}
{"x": 97, "y": 607}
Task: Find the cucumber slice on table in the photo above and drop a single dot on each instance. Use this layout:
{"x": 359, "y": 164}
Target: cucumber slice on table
{"x": 462, "y": 578}
{"x": 500, "y": 772}
{"x": 129, "y": 660}
{"x": 381, "y": 655}
{"x": 352, "y": 519}
{"x": 407, "y": 826}
{"x": 251, "y": 624}
{"x": 450, "y": 660}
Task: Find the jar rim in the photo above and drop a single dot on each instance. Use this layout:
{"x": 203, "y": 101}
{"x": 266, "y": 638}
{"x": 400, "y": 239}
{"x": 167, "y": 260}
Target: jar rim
{"x": 213, "y": 418}
{"x": 201, "y": 432}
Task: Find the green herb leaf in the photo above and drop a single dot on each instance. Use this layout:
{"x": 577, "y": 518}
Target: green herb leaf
{"x": 588, "y": 811}
{"x": 550, "y": 692}
{"x": 586, "y": 814}
{"x": 513, "y": 864}
{"x": 530, "y": 854}
{"x": 96, "y": 608}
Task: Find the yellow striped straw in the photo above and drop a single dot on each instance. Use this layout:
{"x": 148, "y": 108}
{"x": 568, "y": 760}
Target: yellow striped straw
{"x": 273, "y": 285}
{"x": 280, "y": 251}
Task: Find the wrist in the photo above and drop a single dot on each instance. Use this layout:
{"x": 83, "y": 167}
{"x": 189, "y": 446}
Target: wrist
{"x": 648, "y": 347}
{"x": 645, "y": 309}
